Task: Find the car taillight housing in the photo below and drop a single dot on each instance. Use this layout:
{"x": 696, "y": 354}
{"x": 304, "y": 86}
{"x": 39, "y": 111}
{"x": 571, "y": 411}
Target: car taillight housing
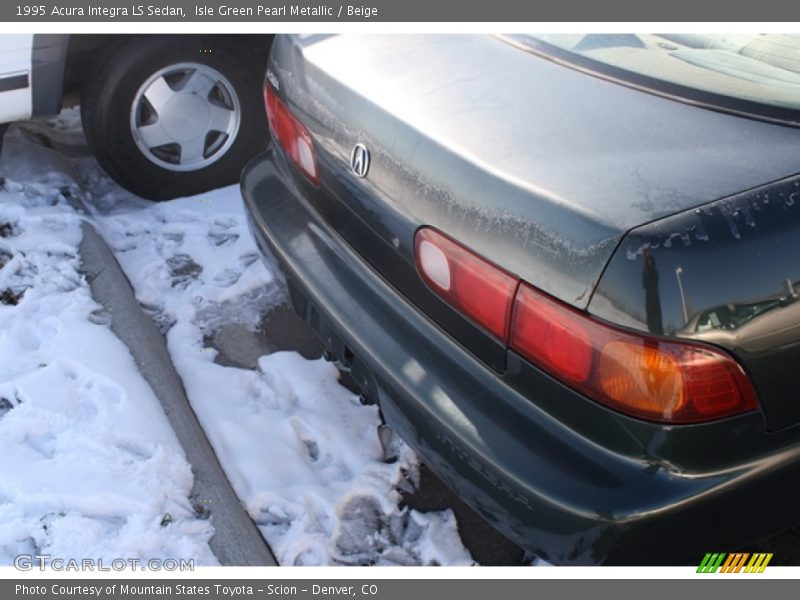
{"x": 472, "y": 285}
{"x": 644, "y": 376}
{"x": 291, "y": 134}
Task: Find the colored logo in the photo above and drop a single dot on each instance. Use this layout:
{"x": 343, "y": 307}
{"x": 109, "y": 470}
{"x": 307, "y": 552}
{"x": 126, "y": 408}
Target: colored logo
{"x": 736, "y": 562}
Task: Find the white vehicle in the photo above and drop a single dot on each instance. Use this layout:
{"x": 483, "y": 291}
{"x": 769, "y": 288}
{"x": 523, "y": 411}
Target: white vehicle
{"x": 166, "y": 116}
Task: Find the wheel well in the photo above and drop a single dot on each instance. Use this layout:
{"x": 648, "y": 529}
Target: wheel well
{"x": 84, "y": 53}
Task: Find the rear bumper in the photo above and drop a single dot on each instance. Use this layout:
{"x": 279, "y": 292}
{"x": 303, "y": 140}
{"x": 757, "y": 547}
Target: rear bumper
{"x": 542, "y": 484}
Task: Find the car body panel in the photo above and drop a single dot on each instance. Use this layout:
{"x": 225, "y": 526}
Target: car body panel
{"x": 31, "y": 75}
{"x": 468, "y": 134}
{"x": 556, "y": 177}
{"x": 15, "y": 73}
{"x": 49, "y": 60}
{"x": 725, "y": 273}
{"x": 570, "y": 480}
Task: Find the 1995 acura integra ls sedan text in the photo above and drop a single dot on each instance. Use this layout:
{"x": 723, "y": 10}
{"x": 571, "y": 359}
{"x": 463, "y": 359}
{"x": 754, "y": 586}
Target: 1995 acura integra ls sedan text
{"x": 566, "y": 268}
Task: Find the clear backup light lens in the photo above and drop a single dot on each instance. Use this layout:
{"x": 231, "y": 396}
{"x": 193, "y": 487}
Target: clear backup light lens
{"x": 434, "y": 264}
{"x": 291, "y": 134}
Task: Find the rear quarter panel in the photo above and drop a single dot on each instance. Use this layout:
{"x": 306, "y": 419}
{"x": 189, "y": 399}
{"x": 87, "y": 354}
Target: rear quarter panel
{"x": 727, "y": 273}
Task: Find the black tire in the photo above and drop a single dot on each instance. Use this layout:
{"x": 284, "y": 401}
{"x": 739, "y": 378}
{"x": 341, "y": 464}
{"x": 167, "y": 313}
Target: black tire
{"x": 108, "y": 98}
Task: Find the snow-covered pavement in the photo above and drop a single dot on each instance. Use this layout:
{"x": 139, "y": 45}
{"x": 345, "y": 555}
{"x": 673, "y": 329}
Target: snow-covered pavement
{"x": 90, "y": 466}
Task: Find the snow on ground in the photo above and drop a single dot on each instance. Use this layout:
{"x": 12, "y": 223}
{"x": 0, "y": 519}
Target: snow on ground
{"x": 89, "y": 466}
{"x": 300, "y": 450}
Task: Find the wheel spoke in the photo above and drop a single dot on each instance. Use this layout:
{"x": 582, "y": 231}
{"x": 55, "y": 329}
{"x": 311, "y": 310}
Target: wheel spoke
{"x": 154, "y": 135}
{"x": 199, "y": 83}
{"x": 158, "y": 93}
{"x": 193, "y": 150}
{"x": 220, "y": 119}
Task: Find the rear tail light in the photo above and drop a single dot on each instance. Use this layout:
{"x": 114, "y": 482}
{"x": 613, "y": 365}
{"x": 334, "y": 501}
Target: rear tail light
{"x": 643, "y": 376}
{"x": 640, "y": 375}
{"x": 551, "y": 336}
{"x": 291, "y": 134}
{"x": 472, "y": 285}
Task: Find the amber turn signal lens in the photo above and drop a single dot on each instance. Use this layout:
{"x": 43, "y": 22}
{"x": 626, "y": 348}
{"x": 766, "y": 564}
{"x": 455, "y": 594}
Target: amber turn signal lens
{"x": 642, "y": 378}
{"x": 671, "y": 381}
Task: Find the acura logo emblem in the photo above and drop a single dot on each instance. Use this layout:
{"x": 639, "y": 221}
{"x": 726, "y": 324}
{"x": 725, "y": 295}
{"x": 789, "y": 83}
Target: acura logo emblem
{"x": 359, "y": 160}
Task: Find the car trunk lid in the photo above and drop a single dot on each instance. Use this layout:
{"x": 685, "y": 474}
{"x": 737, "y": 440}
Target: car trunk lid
{"x": 537, "y": 167}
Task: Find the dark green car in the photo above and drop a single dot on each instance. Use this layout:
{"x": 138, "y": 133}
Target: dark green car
{"x": 511, "y": 242}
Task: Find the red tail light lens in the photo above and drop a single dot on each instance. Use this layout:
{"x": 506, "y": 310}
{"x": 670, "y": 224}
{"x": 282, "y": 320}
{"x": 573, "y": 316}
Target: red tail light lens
{"x": 469, "y": 283}
{"x": 551, "y": 336}
{"x": 291, "y": 134}
{"x": 644, "y": 376}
